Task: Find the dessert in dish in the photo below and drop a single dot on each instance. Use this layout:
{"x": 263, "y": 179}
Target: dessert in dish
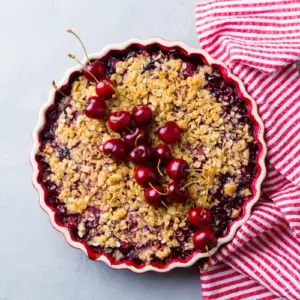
{"x": 147, "y": 155}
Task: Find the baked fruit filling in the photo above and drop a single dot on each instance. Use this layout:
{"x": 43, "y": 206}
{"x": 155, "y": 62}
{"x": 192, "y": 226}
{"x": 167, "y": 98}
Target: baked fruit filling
{"x": 147, "y": 156}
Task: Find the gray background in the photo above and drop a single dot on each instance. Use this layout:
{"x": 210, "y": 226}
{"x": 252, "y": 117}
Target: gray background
{"x": 35, "y": 261}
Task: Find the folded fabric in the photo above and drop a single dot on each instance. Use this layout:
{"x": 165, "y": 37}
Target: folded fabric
{"x": 260, "y": 42}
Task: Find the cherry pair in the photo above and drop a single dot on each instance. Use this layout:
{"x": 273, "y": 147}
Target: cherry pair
{"x": 175, "y": 192}
{"x": 97, "y": 108}
{"x": 204, "y": 238}
{"x": 120, "y": 121}
{"x": 146, "y": 177}
{"x": 161, "y": 153}
{"x": 95, "y": 71}
{"x": 117, "y": 150}
{"x": 136, "y": 141}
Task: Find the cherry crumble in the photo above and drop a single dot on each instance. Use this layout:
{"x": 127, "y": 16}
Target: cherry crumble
{"x": 149, "y": 160}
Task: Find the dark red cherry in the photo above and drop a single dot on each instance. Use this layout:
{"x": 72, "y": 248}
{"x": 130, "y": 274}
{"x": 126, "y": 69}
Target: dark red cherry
{"x": 96, "y": 108}
{"x": 119, "y": 121}
{"x": 137, "y": 137}
{"x": 153, "y": 195}
{"x": 200, "y": 216}
{"x": 144, "y": 176}
{"x": 176, "y": 169}
{"x": 204, "y": 239}
{"x": 162, "y": 153}
{"x": 115, "y": 148}
{"x": 104, "y": 89}
{"x": 96, "y": 68}
{"x": 177, "y": 192}
{"x": 142, "y": 115}
{"x": 140, "y": 154}
{"x": 169, "y": 133}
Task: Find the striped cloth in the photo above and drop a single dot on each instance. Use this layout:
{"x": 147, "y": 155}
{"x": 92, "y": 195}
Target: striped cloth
{"x": 260, "y": 42}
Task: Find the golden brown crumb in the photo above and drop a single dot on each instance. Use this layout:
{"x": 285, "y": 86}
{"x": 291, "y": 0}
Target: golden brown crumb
{"x": 230, "y": 188}
{"x": 88, "y": 178}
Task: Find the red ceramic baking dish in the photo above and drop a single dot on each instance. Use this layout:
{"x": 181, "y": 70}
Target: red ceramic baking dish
{"x": 258, "y": 135}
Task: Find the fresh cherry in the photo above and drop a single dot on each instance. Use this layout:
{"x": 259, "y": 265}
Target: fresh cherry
{"x": 176, "y": 169}
{"x": 119, "y": 121}
{"x": 162, "y": 153}
{"x": 177, "y": 192}
{"x": 95, "y": 69}
{"x": 204, "y": 239}
{"x": 96, "y": 108}
{"x": 137, "y": 137}
{"x": 115, "y": 148}
{"x": 140, "y": 154}
{"x": 142, "y": 115}
{"x": 153, "y": 195}
{"x": 199, "y": 216}
{"x": 144, "y": 176}
{"x": 104, "y": 89}
{"x": 169, "y": 133}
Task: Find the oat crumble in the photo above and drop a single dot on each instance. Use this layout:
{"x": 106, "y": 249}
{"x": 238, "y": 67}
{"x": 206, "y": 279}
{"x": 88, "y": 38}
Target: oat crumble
{"x": 99, "y": 199}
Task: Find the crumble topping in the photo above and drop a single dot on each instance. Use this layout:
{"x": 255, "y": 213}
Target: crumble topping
{"x": 109, "y": 204}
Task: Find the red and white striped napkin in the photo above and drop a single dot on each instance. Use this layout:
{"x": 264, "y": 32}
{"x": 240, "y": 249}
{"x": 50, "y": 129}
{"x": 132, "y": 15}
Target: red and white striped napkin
{"x": 260, "y": 42}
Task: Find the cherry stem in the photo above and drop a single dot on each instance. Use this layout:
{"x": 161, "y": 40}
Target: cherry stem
{"x": 105, "y": 81}
{"x": 164, "y": 204}
{"x": 137, "y": 139}
{"x": 209, "y": 261}
{"x": 112, "y": 86}
{"x": 77, "y": 60}
{"x": 193, "y": 170}
{"x": 79, "y": 39}
{"x": 158, "y": 169}
{"x": 201, "y": 212}
{"x": 57, "y": 89}
{"x": 196, "y": 181}
{"x": 206, "y": 248}
{"x": 209, "y": 256}
{"x": 115, "y": 90}
{"x": 164, "y": 194}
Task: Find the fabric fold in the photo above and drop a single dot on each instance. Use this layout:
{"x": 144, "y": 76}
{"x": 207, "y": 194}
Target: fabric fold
{"x": 260, "y": 43}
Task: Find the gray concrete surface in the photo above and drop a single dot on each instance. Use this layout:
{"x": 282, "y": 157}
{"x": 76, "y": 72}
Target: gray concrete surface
{"x": 35, "y": 261}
